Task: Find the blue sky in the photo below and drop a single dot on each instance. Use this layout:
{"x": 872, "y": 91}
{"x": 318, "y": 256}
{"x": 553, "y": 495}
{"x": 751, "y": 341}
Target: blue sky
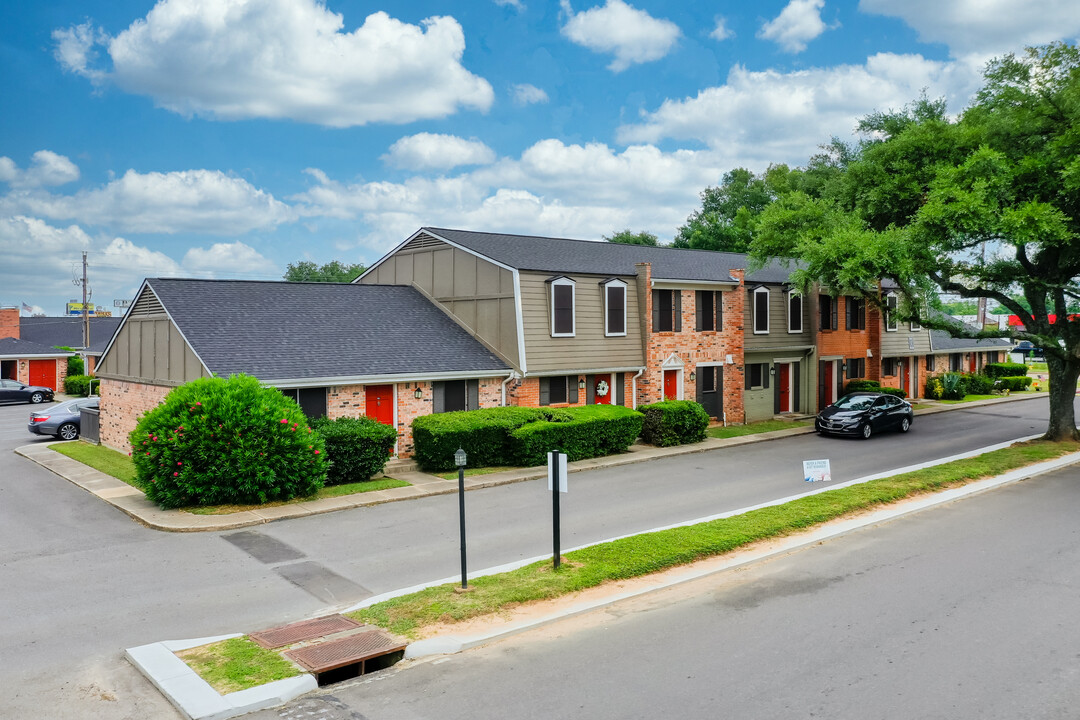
{"x": 228, "y": 138}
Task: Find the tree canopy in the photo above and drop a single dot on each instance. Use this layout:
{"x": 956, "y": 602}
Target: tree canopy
{"x": 986, "y": 204}
{"x": 628, "y": 237}
{"x": 335, "y": 271}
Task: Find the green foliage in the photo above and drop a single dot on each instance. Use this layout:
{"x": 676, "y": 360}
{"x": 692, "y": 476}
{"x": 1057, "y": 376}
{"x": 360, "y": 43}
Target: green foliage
{"x": 862, "y": 386}
{"x": 1013, "y": 384}
{"x": 590, "y": 431}
{"x": 335, "y": 271}
{"x": 356, "y": 448}
{"x": 953, "y": 387}
{"x": 75, "y": 366}
{"x": 237, "y": 664}
{"x": 81, "y": 385}
{"x": 935, "y": 390}
{"x": 483, "y": 434}
{"x": 627, "y": 237}
{"x": 215, "y": 441}
{"x": 674, "y": 422}
{"x": 975, "y": 384}
{"x": 996, "y": 370}
{"x": 893, "y": 391}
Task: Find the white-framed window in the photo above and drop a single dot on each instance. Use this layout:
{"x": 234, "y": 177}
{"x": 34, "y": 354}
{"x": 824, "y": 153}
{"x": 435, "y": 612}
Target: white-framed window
{"x": 915, "y": 326}
{"x": 890, "y": 313}
{"x": 563, "y": 291}
{"x": 761, "y": 311}
{"x": 794, "y": 318}
{"x": 614, "y": 308}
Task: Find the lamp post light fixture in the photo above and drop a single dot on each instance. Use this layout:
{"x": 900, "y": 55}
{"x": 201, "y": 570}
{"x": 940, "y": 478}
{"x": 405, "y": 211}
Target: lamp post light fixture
{"x": 460, "y": 459}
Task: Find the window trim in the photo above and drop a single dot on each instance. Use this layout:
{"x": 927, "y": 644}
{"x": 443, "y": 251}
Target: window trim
{"x": 565, "y": 282}
{"x": 607, "y": 285}
{"x": 762, "y": 369}
{"x": 755, "y": 311}
{"x": 891, "y": 325}
{"x": 792, "y": 294}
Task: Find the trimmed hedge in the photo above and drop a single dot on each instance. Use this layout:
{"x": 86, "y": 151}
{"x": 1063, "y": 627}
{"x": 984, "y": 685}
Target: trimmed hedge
{"x": 483, "y": 434}
{"x": 999, "y": 370}
{"x": 591, "y": 431}
{"x": 893, "y": 391}
{"x": 215, "y": 441}
{"x": 978, "y": 384}
{"x": 1013, "y": 384}
{"x": 862, "y": 386}
{"x": 80, "y": 385}
{"x": 674, "y": 422}
{"x": 356, "y": 448}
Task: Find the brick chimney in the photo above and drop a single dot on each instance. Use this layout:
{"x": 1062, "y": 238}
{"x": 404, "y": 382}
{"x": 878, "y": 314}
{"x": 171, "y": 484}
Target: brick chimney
{"x": 9, "y": 322}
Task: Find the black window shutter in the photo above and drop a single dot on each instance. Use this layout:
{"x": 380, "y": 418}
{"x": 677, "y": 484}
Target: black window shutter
{"x": 821, "y": 384}
{"x": 849, "y": 305}
{"x": 676, "y": 302}
{"x": 656, "y": 295}
{"x": 620, "y": 391}
{"x": 776, "y": 399}
{"x": 765, "y": 375}
{"x": 832, "y": 305}
{"x": 545, "y": 391}
{"x": 571, "y": 389}
{"x": 746, "y": 368}
{"x": 718, "y": 306}
{"x": 795, "y": 372}
{"x": 590, "y": 389}
{"x": 438, "y": 397}
{"x": 473, "y": 394}
{"x": 699, "y": 316}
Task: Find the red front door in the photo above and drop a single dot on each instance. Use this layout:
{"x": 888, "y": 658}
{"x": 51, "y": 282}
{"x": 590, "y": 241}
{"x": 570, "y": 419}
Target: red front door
{"x": 379, "y": 403}
{"x": 785, "y": 387}
{"x": 603, "y": 390}
{"x": 671, "y": 384}
{"x": 905, "y": 376}
{"x": 43, "y": 373}
{"x": 827, "y": 384}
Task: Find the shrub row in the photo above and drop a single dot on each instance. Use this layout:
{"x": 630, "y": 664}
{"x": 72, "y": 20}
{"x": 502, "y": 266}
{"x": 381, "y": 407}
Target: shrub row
{"x": 873, "y": 386}
{"x": 1013, "y": 384}
{"x": 997, "y": 370}
{"x": 522, "y": 436}
{"x": 81, "y": 385}
{"x": 356, "y": 448}
{"x": 674, "y": 422}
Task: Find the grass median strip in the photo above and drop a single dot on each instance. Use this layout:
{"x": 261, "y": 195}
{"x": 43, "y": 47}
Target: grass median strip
{"x": 653, "y": 552}
{"x": 754, "y": 428}
{"x": 237, "y": 664}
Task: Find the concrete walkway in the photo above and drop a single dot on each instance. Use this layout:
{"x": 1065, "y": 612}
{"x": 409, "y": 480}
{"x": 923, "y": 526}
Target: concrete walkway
{"x": 133, "y": 502}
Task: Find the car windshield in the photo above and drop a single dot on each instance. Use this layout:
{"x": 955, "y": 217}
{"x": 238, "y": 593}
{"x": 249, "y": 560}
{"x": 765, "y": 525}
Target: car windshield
{"x": 854, "y": 402}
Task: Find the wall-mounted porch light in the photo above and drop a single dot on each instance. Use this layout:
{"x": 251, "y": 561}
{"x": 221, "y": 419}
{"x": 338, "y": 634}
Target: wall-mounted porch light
{"x": 419, "y": 393}
{"x": 581, "y": 384}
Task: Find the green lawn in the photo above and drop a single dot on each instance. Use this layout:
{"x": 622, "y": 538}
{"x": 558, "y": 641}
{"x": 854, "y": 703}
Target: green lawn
{"x": 120, "y": 466}
{"x": 452, "y": 475}
{"x": 1037, "y": 367}
{"x": 754, "y": 428}
{"x": 1043, "y": 385}
{"x": 237, "y": 664}
{"x": 652, "y": 552}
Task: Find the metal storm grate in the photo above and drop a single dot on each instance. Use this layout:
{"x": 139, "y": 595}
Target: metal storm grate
{"x": 306, "y": 630}
{"x": 346, "y": 651}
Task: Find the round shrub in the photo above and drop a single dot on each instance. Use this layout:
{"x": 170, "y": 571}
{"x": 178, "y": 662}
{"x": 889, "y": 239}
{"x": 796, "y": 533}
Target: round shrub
{"x": 356, "y": 448}
{"x": 934, "y": 389}
{"x": 978, "y": 384}
{"x": 80, "y": 385}
{"x": 953, "y": 386}
{"x": 215, "y": 441}
{"x": 674, "y": 422}
{"x": 1013, "y": 384}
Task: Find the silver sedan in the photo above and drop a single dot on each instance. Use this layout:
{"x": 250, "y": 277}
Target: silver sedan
{"x": 62, "y": 420}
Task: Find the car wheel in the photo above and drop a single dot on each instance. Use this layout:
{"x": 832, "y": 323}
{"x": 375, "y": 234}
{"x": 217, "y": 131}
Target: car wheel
{"x": 37, "y": 397}
{"x": 905, "y": 425}
{"x": 67, "y": 431}
{"x": 866, "y": 431}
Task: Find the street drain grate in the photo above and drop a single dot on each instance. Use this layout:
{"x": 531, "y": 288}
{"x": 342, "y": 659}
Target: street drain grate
{"x": 352, "y": 650}
{"x": 305, "y": 630}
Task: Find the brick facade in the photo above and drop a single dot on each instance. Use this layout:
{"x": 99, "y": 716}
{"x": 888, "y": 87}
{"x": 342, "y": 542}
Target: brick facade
{"x": 9, "y": 322}
{"x": 122, "y": 403}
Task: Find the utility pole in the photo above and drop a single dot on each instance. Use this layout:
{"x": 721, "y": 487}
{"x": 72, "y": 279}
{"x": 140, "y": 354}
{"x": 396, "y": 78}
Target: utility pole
{"x": 85, "y": 310}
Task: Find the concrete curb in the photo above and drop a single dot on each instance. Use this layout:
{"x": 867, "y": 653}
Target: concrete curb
{"x": 193, "y": 697}
{"x": 133, "y": 502}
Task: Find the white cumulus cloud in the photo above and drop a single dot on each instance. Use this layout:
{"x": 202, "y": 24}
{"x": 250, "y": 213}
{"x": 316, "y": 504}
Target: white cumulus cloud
{"x": 721, "y": 32}
{"x": 430, "y": 151}
{"x": 631, "y": 35}
{"x": 46, "y": 168}
{"x": 797, "y": 24}
{"x": 526, "y": 94}
{"x": 226, "y": 260}
{"x": 285, "y": 59}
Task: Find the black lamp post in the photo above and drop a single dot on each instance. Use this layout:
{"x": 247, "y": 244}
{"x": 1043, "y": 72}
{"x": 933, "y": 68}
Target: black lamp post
{"x": 459, "y": 460}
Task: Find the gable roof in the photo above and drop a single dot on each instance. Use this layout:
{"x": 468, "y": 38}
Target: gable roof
{"x": 563, "y": 255}
{"x": 11, "y": 347}
{"x": 942, "y": 341}
{"x": 296, "y": 331}
{"x": 68, "y": 331}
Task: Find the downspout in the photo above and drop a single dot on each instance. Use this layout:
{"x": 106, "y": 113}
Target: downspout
{"x": 633, "y": 387}
{"x": 513, "y": 374}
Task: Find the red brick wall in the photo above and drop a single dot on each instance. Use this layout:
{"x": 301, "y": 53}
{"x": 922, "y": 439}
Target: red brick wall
{"x": 853, "y": 343}
{"x": 121, "y": 405}
{"x": 9, "y": 322}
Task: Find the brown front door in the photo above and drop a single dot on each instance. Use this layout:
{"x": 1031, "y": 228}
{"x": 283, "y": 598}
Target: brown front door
{"x": 43, "y": 373}
{"x": 671, "y": 384}
{"x": 379, "y": 403}
{"x": 785, "y": 387}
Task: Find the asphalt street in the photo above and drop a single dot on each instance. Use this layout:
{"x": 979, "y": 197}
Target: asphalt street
{"x": 80, "y": 581}
{"x": 964, "y": 612}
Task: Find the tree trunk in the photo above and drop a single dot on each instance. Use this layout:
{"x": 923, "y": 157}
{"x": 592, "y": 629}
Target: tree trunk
{"x": 1063, "y": 376}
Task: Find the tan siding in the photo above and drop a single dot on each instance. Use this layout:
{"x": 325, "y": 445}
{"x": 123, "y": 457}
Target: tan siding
{"x": 178, "y": 351}
{"x": 403, "y": 272}
{"x": 895, "y": 344}
{"x": 465, "y": 274}
{"x": 778, "y": 335}
{"x": 151, "y": 350}
{"x": 161, "y": 348}
{"x": 589, "y": 348}
{"x": 443, "y": 285}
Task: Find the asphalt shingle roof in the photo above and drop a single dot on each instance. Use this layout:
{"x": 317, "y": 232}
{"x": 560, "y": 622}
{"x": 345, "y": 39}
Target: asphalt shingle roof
{"x": 280, "y": 330}
{"x": 564, "y": 255}
{"x": 11, "y": 347}
{"x": 940, "y": 340}
{"x": 68, "y": 331}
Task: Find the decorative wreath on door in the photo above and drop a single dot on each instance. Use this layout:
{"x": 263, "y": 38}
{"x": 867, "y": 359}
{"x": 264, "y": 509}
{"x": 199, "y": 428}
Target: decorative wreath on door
{"x": 602, "y": 388}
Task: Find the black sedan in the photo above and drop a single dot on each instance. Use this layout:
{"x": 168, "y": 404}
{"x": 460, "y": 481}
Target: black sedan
{"x": 864, "y": 414}
{"x": 15, "y": 391}
{"x": 62, "y": 420}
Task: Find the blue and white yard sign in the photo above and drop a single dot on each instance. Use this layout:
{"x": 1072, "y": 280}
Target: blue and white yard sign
{"x": 816, "y": 471}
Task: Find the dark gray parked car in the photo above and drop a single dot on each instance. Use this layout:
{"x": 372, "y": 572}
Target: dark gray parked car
{"x": 60, "y": 420}
{"x": 15, "y": 391}
{"x": 865, "y": 413}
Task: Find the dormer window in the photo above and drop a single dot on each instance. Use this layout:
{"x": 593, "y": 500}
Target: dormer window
{"x": 562, "y": 307}
{"x": 794, "y": 321}
{"x": 614, "y": 307}
{"x": 890, "y": 313}
{"x": 761, "y": 311}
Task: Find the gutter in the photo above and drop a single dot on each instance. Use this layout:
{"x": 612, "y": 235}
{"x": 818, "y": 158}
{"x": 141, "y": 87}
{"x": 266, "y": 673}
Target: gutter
{"x": 633, "y": 387}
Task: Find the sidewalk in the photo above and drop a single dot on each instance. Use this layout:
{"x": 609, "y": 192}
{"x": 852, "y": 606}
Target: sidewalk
{"x": 133, "y": 502}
